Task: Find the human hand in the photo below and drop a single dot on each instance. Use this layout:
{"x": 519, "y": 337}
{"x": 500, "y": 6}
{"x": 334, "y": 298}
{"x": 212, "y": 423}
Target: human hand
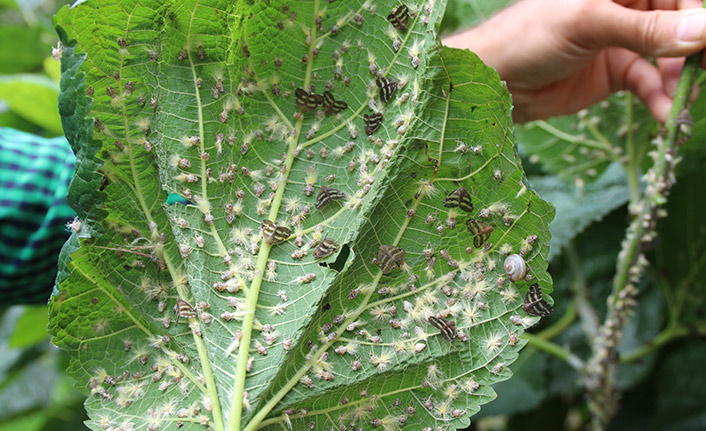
{"x": 561, "y": 56}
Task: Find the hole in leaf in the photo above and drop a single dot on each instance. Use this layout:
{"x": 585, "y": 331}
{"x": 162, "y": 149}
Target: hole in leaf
{"x": 337, "y": 265}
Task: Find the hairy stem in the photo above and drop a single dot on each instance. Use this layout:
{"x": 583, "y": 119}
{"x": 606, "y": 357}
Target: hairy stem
{"x": 600, "y": 378}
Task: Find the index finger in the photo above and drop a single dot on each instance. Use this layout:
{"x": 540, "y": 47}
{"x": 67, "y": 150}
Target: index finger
{"x": 660, "y": 4}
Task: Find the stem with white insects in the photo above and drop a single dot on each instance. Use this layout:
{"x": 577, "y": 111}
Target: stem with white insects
{"x": 600, "y": 380}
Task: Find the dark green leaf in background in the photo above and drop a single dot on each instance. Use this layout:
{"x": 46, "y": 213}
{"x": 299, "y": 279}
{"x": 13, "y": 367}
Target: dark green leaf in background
{"x": 578, "y": 208}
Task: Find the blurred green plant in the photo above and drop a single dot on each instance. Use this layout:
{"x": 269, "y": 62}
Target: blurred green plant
{"x": 29, "y": 76}
{"x": 36, "y": 394}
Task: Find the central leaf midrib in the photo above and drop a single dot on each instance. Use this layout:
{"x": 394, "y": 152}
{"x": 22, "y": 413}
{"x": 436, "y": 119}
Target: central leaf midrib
{"x": 235, "y": 414}
{"x": 279, "y": 395}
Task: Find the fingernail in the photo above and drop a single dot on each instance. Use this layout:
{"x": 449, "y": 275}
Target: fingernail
{"x": 692, "y": 27}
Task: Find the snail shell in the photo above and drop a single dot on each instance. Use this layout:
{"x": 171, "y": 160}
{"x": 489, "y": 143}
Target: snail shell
{"x": 515, "y": 267}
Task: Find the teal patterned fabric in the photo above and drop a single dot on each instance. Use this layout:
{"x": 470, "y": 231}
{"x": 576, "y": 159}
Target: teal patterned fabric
{"x": 35, "y": 174}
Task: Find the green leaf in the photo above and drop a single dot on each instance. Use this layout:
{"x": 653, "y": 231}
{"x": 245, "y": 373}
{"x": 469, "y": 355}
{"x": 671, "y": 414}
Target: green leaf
{"x": 675, "y": 394}
{"x": 14, "y": 121}
{"x": 26, "y": 50}
{"x": 462, "y": 14}
{"x": 31, "y": 327}
{"x": 34, "y": 98}
{"x": 272, "y": 328}
{"x": 9, "y": 4}
{"x": 26, "y": 375}
{"x": 578, "y": 207}
{"x": 580, "y": 147}
{"x": 525, "y": 390}
{"x": 31, "y": 422}
{"x": 52, "y": 68}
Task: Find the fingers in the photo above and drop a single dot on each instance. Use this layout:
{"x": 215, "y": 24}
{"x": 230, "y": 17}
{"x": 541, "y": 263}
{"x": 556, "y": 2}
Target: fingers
{"x": 660, "y": 4}
{"x": 631, "y": 72}
{"x": 670, "y": 70}
{"x": 658, "y": 33}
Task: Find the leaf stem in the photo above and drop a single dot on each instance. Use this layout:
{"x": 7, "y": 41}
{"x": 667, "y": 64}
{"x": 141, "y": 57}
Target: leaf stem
{"x": 586, "y": 312}
{"x": 560, "y": 134}
{"x": 272, "y": 402}
{"x": 553, "y": 349}
{"x": 673, "y": 330}
{"x": 173, "y": 272}
{"x": 600, "y": 137}
{"x": 669, "y": 334}
{"x": 212, "y": 390}
{"x": 560, "y": 325}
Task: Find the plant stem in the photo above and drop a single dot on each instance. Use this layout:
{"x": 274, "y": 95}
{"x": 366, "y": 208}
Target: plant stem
{"x": 600, "y": 379}
{"x": 553, "y": 349}
{"x": 560, "y": 325}
{"x": 586, "y": 312}
{"x": 568, "y": 137}
{"x": 660, "y": 183}
{"x": 670, "y": 333}
{"x": 600, "y": 137}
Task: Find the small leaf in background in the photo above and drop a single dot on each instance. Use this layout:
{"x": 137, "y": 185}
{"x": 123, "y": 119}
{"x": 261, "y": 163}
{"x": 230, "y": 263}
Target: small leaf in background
{"x": 580, "y": 147}
{"x": 52, "y": 68}
{"x": 22, "y": 49}
{"x": 32, "y": 421}
{"x": 10, "y": 119}
{"x": 578, "y": 208}
{"x": 681, "y": 249}
{"x": 26, "y": 375}
{"x": 525, "y": 390}
{"x": 31, "y": 327}
{"x": 674, "y": 398}
{"x": 34, "y": 98}
{"x": 462, "y": 14}
{"x": 8, "y": 4}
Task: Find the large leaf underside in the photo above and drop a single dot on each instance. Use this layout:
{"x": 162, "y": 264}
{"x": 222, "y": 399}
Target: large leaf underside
{"x": 197, "y": 99}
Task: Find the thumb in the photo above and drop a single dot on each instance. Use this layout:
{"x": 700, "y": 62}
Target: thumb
{"x": 658, "y": 33}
